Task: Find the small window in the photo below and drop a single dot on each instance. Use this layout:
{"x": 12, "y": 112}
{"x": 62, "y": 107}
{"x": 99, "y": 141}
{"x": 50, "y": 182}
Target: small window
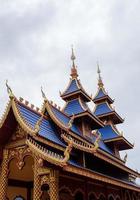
{"x": 19, "y": 198}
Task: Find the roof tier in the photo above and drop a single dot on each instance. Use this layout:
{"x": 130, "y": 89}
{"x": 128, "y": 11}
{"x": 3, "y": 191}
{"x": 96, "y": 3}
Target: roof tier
{"x": 102, "y": 96}
{"x": 111, "y": 135}
{"x": 75, "y": 90}
{"x": 105, "y": 112}
{"x": 79, "y": 109}
{"x": 47, "y": 128}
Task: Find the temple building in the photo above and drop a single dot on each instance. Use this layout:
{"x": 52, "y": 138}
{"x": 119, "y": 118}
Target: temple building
{"x": 69, "y": 153}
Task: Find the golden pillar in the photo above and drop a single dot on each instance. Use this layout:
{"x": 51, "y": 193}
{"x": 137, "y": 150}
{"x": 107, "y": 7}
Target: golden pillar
{"x": 54, "y": 190}
{"x": 4, "y": 175}
{"x": 37, "y": 181}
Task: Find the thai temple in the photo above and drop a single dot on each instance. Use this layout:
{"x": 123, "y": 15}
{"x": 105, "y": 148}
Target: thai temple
{"x": 69, "y": 153}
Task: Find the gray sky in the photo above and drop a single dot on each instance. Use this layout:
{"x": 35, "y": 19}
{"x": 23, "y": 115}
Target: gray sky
{"x": 35, "y": 49}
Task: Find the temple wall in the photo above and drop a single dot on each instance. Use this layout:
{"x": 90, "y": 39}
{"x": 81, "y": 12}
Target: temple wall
{"x": 16, "y": 191}
{"x": 69, "y": 186}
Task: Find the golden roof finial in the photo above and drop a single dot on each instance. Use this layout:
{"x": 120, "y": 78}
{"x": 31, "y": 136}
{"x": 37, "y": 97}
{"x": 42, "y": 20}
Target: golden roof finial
{"x": 73, "y": 56}
{"x": 43, "y": 94}
{"x": 9, "y": 90}
{"x": 100, "y": 83}
{"x": 73, "y": 69}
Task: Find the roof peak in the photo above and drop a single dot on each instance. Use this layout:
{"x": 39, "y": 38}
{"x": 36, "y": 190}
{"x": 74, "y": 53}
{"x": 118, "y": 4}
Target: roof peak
{"x": 100, "y": 82}
{"x": 74, "y": 73}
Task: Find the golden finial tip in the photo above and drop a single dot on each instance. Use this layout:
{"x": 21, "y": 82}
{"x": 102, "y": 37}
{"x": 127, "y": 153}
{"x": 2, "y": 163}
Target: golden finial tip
{"x": 43, "y": 94}
{"x": 74, "y": 73}
{"x": 98, "y": 68}
{"x": 72, "y": 55}
{"x": 9, "y": 90}
{"x": 100, "y": 83}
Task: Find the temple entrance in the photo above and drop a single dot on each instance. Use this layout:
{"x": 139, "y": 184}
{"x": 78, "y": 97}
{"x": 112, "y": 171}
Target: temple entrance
{"x": 20, "y": 181}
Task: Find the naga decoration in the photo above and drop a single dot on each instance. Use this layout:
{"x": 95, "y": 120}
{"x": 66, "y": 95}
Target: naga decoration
{"x": 48, "y": 155}
{"x": 82, "y": 145}
{"x": 43, "y": 94}
{"x": 125, "y": 158}
{"x": 9, "y": 90}
{"x": 67, "y": 152}
{"x": 98, "y": 138}
{"x": 38, "y": 123}
{"x": 71, "y": 121}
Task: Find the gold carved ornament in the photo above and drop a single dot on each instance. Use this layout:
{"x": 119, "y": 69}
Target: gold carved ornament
{"x": 19, "y": 154}
{"x": 96, "y": 143}
{"x": 23, "y": 123}
{"x": 48, "y": 155}
{"x": 83, "y": 145}
{"x": 52, "y": 115}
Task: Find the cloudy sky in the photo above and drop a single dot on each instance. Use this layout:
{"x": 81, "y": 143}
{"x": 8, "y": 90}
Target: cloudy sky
{"x": 35, "y": 48}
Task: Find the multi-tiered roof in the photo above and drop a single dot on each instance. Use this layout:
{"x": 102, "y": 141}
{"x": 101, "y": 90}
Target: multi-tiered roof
{"x": 74, "y": 138}
{"x": 105, "y": 111}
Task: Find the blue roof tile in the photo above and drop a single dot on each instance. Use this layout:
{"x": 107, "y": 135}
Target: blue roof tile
{"x": 65, "y": 120}
{"x": 107, "y": 132}
{"x": 74, "y": 107}
{"x": 72, "y": 87}
{"x": 47, "y": 129}
{"x": 104, "y": 147}
{"x": 100, "y": 94}
{"x": 102, "y": 109}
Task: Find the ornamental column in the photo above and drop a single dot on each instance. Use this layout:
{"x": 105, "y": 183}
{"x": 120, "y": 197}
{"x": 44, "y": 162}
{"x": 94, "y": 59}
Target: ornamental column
{"x": 54, "y": 190}
{"x": 4, "y": 175}
{"x": 37, "y": 182}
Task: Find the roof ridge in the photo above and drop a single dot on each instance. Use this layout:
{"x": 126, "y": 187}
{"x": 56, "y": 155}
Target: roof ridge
{"x": 29, "y": 105}
{"x": 50, "y": 156}
{"x": 70, "y": 81}
{"x": 22, "y": 121}
{"x": 5, "y": 113}
{"x": 54, "y": 105}
{"x": 51, "y": 113}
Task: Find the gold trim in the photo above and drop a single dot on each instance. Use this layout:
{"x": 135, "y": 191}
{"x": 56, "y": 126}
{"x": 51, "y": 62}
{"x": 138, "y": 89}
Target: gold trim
{"x": 87, "y": 147}
{"x": 99, "y": 177}
{"x": 52, "y": 115}
{"x": 49, "y": 155}
{"x": 67, "y": 86}
{"x": 5, "y": 114}
{"x": 23, "y": 123}
{"x": 118, "y": 139}
{"x": 76, "y": 92}
{"x": 82, "y": 145}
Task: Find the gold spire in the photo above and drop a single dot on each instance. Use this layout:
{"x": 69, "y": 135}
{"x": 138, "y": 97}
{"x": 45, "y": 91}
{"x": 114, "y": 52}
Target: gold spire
{"x": 9, "y": 91}
{"x": 74, "y": 68}
{"x": 43, "y": 94}
{"x": 100, "y": 83}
